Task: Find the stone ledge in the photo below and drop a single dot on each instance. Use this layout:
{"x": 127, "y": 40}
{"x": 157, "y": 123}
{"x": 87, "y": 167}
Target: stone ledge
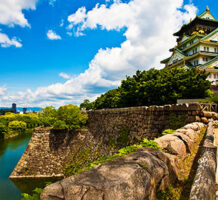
{"x": 204, "y": 185}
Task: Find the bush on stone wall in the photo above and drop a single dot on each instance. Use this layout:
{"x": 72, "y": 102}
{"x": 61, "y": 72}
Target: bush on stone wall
{"x": 72, "y": 116}
{"x": 66, "y": 117}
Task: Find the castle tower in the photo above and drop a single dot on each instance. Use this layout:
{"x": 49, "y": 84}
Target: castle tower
{"x": 197, "y": 46}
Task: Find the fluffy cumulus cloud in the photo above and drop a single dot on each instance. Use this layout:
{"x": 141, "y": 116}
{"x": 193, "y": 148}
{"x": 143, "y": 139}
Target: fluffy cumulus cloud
{"x": 5, "y": 41}
{"x": 149, "y": 26}
{"x": 53, "y": 36}
{"x": 11, "y": 13}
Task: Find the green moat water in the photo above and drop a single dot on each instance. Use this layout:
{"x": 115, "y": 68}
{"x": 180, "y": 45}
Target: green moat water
{"x": 10, "y": 152}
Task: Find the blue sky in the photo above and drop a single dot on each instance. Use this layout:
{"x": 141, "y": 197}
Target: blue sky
{"x": 55, "y": 52}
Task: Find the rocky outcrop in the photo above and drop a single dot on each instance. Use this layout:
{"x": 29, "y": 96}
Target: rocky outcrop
{"x": 136, "y": 176}
{"x": 130, "y": 177}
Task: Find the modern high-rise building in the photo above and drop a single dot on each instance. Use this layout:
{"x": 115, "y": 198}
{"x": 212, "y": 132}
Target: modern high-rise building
{"x": 14, "y": 107}
{"x": 197, "y": 46}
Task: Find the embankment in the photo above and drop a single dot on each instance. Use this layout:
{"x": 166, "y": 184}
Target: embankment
{"x": 49, "y": 151}
{"x": 135, "y": 176}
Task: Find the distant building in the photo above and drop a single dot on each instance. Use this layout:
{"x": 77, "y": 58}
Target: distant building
{"x": 24, "y": 110}
{"x": 197, "y": 46}
{"x": 6, "y": 110}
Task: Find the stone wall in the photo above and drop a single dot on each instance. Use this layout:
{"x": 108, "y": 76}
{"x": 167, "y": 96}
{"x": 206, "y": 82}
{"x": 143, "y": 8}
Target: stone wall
{"x": 49, "y": 151}
{"x": 205, "y": 179}
{"x": 142, "y": 122}
{"x": 135, "y": 176}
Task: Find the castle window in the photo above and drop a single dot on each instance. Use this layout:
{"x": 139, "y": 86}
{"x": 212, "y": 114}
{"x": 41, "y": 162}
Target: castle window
{"x": 195, "y": 51}
{"x": 206, "y": 49}
{"x": 195, "y": 62}
{"x": 205, "y": 59}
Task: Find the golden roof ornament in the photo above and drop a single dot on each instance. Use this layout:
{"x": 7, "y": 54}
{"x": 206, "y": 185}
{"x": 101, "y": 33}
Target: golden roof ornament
{"x": 207, "y": 8}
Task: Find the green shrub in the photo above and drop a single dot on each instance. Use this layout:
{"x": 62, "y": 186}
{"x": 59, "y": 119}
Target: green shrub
{"x": 177, "y": 121}
{"x": 3, "y": 128}
{"x": 170, "y": 193}
{"x": 150, "y": 144}
{"x": 72, "y": 116}
{"x": 123, "y": 139}
{"x": 17, "y": 126}
{"x": 85, "y": 163}
{"x": 35, "y": 196}
{"x": 48, "y": 116}
{"x": 59, "y": 125}
{"x": 167, "y": 131}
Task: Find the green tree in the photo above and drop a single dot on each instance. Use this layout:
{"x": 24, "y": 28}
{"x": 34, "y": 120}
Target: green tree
{"x": 3, "y": 130}
{"x": 111, "y": 99}
{"x": 59, "y": 124}
{"x": 86, "y": 105}
{"x": 32, "y": 119}
{"x": 17, "y": 126}
{"x": 48, "y": 116}
{"x": 72, "y": 116}
{"x": 156, "y": 87}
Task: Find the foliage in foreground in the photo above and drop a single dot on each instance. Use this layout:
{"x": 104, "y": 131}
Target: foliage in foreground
{"x": 83, "y": 165}
{"x": 167, "y": 131}
{"x": 154, "y": 87}
{"x": 36, "y": 193}
{"x": 213, "y": 98}
{"x": 35, "y": 196}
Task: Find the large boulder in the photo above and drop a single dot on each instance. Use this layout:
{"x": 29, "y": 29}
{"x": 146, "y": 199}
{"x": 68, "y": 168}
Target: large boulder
{"x": 172, "y": 144}
{"x": 131, "y": 177}
{"x": 187, "y": 140}
{"x": 189, "y": 132}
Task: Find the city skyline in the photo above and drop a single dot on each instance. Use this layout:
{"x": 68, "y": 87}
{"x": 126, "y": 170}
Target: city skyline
{"x": 59, "y": 52}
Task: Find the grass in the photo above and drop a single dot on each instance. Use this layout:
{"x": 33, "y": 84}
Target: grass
{"x": 83, "y": 162}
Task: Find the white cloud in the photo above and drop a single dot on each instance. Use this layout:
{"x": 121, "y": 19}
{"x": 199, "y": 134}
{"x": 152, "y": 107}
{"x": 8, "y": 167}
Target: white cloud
{"x": 149, "y": 26}
{"x": 53, "y": 36}
{"x": 62, "y": 23}
{"x": 11, "y": 11}
{"x": 6, "y": 42}
{"x": 78, "y": 17}
{"x": 3, "y": 90}
{"x": 52, "y": 2}
{"x": 64, "y": 75}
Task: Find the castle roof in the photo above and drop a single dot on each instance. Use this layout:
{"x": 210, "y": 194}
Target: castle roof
{"x": 205, "y": 18}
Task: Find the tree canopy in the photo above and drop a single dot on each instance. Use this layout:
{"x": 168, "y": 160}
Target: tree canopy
{"x": 155, "y": 87}
{"x": 66, "y": 117}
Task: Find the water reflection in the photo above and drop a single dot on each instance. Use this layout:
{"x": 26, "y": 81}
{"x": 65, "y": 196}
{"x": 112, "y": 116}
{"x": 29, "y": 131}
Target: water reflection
{"x": 10, "y": 152}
